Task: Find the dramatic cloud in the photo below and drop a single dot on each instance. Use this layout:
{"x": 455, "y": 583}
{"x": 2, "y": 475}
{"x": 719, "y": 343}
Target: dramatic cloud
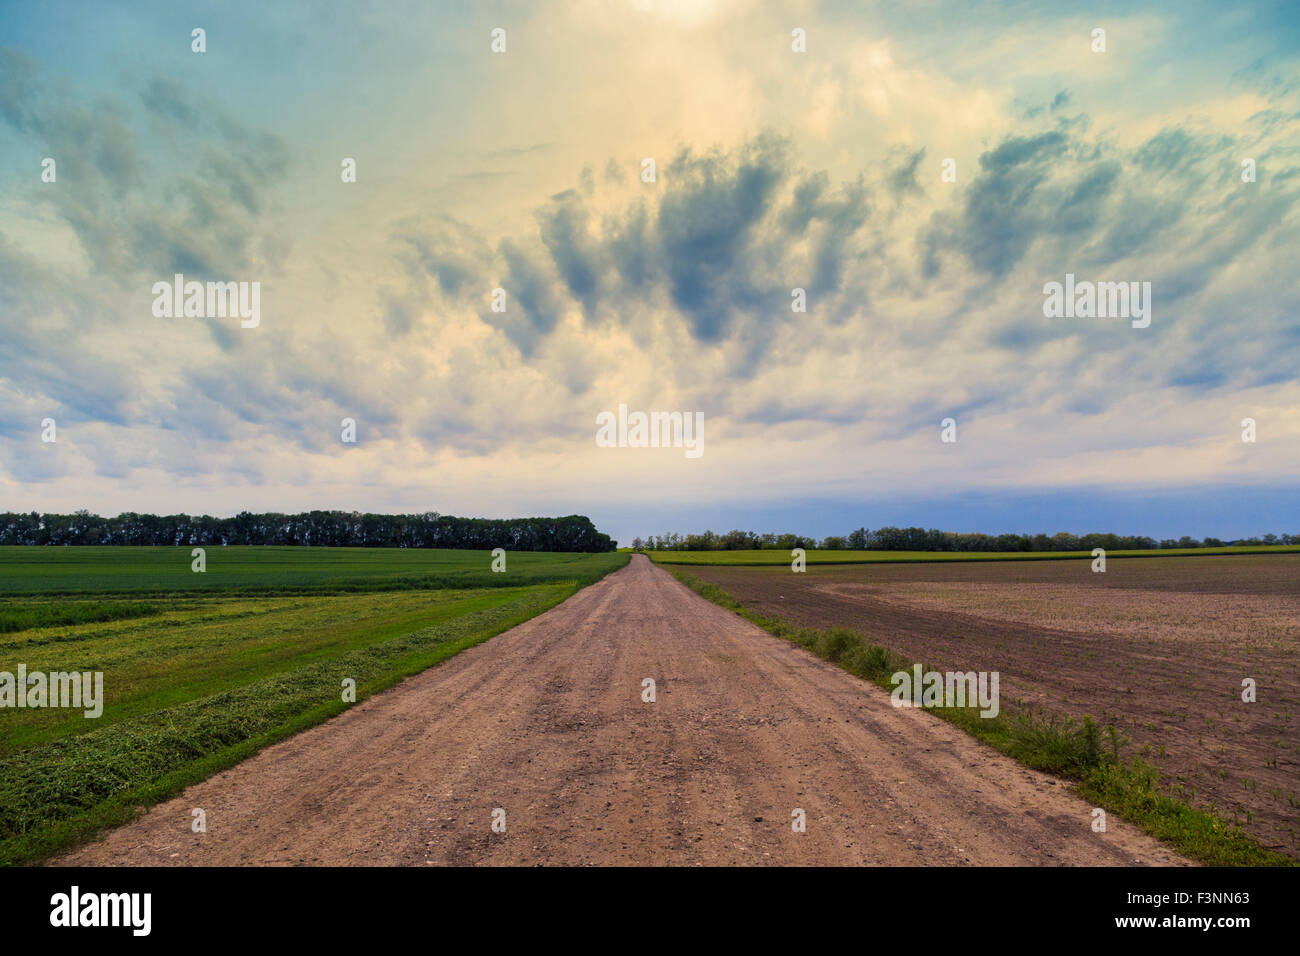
{"x": 779, "y": 178}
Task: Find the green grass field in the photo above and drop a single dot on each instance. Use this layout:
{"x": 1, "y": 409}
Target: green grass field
{"x": 781, "y": 557}
{"x": 202, "y": 670}
{"x": 277, "y": 570}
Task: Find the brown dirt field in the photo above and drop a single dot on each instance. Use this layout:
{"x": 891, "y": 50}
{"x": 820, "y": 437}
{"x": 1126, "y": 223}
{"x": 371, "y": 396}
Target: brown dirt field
{"x": 1157, "y": 647}
{"x": 547, "y": 722}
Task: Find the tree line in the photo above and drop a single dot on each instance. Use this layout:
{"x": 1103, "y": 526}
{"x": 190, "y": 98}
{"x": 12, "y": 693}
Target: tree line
{"x": 340, "y": 529}
{"x": 921, "y": 539}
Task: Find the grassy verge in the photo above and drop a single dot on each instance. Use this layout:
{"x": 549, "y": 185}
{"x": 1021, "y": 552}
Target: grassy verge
{"x": 65, "y": 791}
{"x": 1078, "y": 751}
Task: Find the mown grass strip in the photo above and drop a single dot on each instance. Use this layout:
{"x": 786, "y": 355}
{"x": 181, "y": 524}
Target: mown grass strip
{"x": 1077, "y": 751}
{"x": 211, "y": 647}
{"x": 24, "y": 616}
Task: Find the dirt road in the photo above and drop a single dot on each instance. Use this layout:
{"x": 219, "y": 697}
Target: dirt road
{"x": 547, "y": 723}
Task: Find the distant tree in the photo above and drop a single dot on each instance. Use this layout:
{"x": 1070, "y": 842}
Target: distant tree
{"x": 321, "y": 528}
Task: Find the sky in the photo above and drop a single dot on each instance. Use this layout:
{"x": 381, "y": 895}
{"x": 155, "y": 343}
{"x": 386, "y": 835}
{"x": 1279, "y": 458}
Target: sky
{"x": 920, "y": 171}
